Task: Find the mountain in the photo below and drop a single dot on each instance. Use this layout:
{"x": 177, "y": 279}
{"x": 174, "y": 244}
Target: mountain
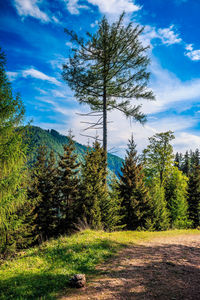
{"x": 55, "y": 141}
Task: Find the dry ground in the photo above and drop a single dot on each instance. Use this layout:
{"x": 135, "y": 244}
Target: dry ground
{"x": 164, "y": 269}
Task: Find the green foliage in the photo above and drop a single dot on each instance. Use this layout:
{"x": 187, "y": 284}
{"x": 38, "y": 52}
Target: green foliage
{"x": 67, "y": 193}
{"x": 93, "y": 191}
{"x": 194, "y": 197}
{"x": 41, "y": 192}
{"x": 160, "y": 214}
{"x": 158, "y": 156}
{"x": 176, "y": 197}
{"x": 111, "y": 208}
{"x": 135, "y": 199}
{"x": 12, "y": 160}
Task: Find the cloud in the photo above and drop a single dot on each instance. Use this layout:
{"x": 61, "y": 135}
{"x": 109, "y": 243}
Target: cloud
{"x": 115, "y": 6}
{"x": 73, "y": 6}
{"x": 12, "y": 75}
{"x": 166, "y": 35}
{"x": 105, "y": 6}
{"x": 30, "y": 8}
{"x": 169, "y": 90}
{"x": 191, "y": 53}
{"x": 39, "y": 75}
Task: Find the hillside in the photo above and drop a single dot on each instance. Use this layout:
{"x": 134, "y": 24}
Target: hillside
{"x": 55, "y": 141}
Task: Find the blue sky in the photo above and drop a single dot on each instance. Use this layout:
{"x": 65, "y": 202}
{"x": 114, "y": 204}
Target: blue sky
{"x": 32, "y": 36}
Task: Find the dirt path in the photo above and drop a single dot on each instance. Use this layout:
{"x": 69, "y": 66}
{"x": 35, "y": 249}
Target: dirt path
{"x": 167, "y": 269}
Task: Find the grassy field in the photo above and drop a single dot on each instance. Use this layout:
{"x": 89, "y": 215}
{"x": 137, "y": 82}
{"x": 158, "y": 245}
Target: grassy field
{"x": 43, "y": 272}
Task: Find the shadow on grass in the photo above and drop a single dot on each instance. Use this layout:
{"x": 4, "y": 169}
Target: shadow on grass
{"x": 61, "y": 262}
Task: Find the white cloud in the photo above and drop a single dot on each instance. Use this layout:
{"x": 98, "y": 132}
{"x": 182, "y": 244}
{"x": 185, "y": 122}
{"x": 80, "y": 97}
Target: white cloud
{"x": 105, "y": 6}
{"x": 166, "y": 35}
{"x": 185, "y": 141}
{"x": 73, "y": 6}
{"x": 169, "y": 90}
{"x": 30, "y": 8}
{"x": 191, "y": 53}
{"x": 39, "y": 75}
{"x": 12, "y": 75}
{"x": 115, "y": 6}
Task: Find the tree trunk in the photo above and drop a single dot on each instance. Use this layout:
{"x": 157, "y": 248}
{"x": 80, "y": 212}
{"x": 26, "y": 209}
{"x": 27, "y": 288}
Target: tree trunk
{"x": 105, "y": 127}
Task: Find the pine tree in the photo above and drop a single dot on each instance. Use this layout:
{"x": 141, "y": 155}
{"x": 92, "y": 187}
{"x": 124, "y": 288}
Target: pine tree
{"x": 93, "y": 190}
{"x": 12, "y": 159}
{"x": 135, "y": 199}
{"x": 176, "y": 197}
{"x": 109, "y": 70}
{"x": 42, "y": 192}
{"x": 68, "y": 186}
{"x": 194, "y": 197}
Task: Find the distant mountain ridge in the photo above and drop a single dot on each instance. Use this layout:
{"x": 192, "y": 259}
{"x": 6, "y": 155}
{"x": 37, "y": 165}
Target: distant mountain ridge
{"x": 53, "y": 140}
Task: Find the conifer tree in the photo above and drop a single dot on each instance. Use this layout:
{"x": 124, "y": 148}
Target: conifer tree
{"x": 109, "y": 70}
{"x": 186, "y": 164}
{"x": 12, "y": 158}
{"x": 178, "y": 160}
{"x": 68, "y": 186}
{"x": 194, "y": 197}
{"x": 111, "y": 210}
{"x": 42, "y": 193}
{"x": 93, "y": 190}
{"x": 176, "y": 197}
{"x": 135, "y": 199}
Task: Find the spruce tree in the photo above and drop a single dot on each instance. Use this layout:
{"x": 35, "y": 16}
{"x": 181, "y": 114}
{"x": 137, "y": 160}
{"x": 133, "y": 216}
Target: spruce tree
{"x": 12, "y": 158}
{"x": 135, "y": 199}
{"x": 112, "y": 213}
{"x": 93, "y": 191}
{"x": 68, "y": 186}
{"x": 42, "y": 192}
{"x": 194, "y": 197}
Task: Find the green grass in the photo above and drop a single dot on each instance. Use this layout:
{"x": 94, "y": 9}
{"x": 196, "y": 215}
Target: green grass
{"x": 43, "y": 272}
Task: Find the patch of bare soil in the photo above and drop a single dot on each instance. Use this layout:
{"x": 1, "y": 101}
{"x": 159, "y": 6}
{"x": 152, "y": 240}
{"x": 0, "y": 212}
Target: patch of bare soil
{"x": 164, "y": 269}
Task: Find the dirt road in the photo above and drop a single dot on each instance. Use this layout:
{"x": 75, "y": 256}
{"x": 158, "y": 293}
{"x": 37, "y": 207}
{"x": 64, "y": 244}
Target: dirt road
{"x": 164, "y": 269}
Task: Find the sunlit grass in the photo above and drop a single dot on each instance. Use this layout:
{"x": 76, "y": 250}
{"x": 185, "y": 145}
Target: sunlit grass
{"x": 42, "y": 272}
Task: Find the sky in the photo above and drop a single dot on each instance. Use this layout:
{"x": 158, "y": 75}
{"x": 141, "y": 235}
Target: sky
{"x": 33, "y": 39}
